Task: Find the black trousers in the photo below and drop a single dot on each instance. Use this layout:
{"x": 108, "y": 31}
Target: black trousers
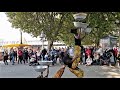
{"x": 20, "y": 58}
{"x": 5, "y": 60}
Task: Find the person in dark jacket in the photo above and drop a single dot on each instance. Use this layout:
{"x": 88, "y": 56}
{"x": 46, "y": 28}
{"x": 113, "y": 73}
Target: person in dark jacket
{"x": 5, "y": 58}
{"x": 25, "y": 55}
{"x": 44, "y": 51}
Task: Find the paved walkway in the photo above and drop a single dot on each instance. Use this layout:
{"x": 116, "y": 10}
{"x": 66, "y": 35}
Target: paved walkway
{"x": 26, "y": 71}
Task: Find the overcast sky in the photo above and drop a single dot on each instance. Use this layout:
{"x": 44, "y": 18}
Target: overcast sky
{"x": 7, "y": 33}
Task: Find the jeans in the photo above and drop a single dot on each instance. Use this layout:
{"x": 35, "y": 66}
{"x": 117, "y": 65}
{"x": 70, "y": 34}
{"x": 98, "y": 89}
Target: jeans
{"x": 13, "y": 59}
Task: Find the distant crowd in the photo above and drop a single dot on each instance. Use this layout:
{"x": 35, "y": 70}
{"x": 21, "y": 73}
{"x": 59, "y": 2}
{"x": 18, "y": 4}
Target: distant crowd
{"x": 89, "y": 55}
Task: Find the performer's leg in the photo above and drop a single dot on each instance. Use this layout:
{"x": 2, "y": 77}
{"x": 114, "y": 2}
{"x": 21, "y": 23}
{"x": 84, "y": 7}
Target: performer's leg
{"x": 74, "y": 69}
{"x": 59, "y": 72}
{"x": 78, "y": 72}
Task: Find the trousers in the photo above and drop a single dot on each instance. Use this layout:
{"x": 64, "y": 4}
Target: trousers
{"x": 74, "y": 68}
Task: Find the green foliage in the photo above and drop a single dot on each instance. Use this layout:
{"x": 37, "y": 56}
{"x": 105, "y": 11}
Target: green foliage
{"x": 102, "y": 23}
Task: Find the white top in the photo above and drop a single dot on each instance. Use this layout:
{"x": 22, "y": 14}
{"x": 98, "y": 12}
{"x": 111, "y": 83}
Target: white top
{"x": 38, "y": 53}
{"x": 46, "y": 56}
{"x": 100, "y": 51}
{"x": 89, "y": 60}
{"x": 71, "y": 52}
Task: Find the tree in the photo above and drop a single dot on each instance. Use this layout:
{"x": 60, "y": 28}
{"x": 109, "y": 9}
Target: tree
{"x": 57, "y": 25}
{"x": 102, "y": 23}
{"x": 53, "y": 24}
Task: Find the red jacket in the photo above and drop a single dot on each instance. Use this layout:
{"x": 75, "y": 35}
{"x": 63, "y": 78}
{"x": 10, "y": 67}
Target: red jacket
{"x": 88, "y": 52}
{"x": 20, "y": 53}
{"x": 115, "y": 51}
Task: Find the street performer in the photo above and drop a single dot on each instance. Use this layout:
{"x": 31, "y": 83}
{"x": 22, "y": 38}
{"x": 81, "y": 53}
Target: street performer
{"x": 72, "y": 62}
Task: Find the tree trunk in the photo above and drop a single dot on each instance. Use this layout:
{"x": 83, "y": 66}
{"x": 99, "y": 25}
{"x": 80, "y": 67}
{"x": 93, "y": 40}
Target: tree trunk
{"x": 97, "y": 42}
{"x": 50, "y": 44}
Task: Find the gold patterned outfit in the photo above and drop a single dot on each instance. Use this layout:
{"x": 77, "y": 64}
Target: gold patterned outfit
{"x": 74, "y": 66}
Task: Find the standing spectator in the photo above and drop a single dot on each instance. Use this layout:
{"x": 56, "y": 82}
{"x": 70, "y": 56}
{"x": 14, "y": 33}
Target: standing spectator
{"x": 92, "y": 52}
{"x": 10, "y": 54}
{"x": 88, "y": 52}
{"x": 20, "y": 55}
{"x": 13, "y": 56}
{"x": 25, "y": 55}
{"x": 82, "y": 58}
{"x": 5, "y": 57}
{"x": 62, "y": 54}
{"x": 35, "y": 55}
{"x": 15, "y": 51}
{"x": 30, "y": 53}
{"x": 52, "y": 53}
{"x": 118, "y": 59}
{"x": 115, "y": 53}
{"x": 46, "y": 56}
{"x": 38, "y": 53}
{"x": 44, "y": 51}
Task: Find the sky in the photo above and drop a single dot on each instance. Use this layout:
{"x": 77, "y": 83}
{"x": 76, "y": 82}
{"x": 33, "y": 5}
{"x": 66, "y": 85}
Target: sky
{"x": 7, "y": 33}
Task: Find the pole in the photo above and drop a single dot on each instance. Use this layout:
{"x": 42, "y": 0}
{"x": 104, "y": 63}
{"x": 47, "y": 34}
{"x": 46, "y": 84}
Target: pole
{"x": 42, "y": 43}
{"x": 21, "y": 37}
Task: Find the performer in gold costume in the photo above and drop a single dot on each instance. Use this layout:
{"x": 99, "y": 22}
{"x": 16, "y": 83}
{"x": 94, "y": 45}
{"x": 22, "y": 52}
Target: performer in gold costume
{"x": 73, "y": 63}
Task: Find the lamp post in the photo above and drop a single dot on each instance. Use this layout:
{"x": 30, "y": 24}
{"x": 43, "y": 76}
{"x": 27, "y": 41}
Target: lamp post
{"x": 21, "y": 37}
{"x": 42, "y": 36}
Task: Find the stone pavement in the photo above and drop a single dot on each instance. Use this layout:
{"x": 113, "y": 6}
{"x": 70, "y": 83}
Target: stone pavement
{"x": 26, "y": 71}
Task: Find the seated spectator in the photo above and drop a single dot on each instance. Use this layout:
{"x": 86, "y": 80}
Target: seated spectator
{"x": 88, "y": 61}
{"x": 96, "y": 59}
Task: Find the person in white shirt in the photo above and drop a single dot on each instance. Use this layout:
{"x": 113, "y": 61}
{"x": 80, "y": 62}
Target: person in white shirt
{"x": 46, "y": 56}
{"x": 38, "y": 53}
{"x": 71, "y": 52}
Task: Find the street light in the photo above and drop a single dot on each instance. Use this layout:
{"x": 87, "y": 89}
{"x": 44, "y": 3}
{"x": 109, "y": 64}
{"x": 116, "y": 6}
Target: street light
{"x": 21, "y": 37}
{"x": 42, "y": 36}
